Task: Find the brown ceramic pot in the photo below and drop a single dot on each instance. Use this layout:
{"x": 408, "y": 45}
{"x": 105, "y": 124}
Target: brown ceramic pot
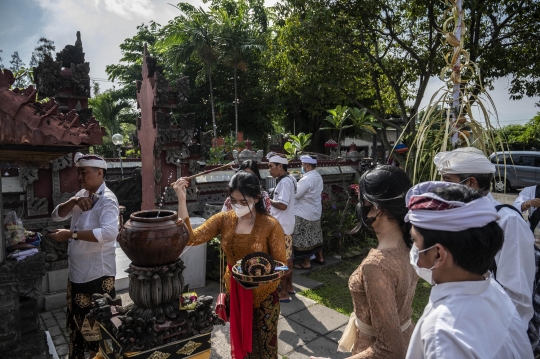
{"x": 150, "y": 240}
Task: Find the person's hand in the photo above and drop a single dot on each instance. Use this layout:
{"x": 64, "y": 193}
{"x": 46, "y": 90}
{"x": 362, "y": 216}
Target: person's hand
{"x": 84, "y": 203}
{"x": 180, "y": 188}
{"x": 535, "y": 202}
{"x": 60, "y": 235}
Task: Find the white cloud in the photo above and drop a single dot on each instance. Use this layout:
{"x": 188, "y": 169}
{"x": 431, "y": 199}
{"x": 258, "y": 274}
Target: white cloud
{"x": 127, "y": 8}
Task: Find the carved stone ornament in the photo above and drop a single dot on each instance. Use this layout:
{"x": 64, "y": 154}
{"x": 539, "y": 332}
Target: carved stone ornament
{"x": 27, "y": 176}
{"x": 48, "y": 77}
{"x": 183, "y": 135}
{"x": 62, "y": 162}
{"x": 71, "y": 54}
{"x": 182, "y": 86}
{"x": 163, "y": 120}
{"x": 206, "y": 144}
{"x": 248, "y": 155}
{"x": 157, "y": 175}
{"x": 80, "y": 79}
{"x": 175, "y": 156}
{"x": 38, "y": 206}
{"x": 162, "y": 89}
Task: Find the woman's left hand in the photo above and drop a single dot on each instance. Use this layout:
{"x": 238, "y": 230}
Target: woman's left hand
{"x": 180, "y": 188}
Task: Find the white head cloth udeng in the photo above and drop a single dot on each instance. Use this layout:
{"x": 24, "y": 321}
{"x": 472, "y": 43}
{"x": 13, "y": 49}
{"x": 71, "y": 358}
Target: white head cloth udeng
{"x": 462, "y": 161}
{"x": 89, "y": 161}
{"x": 278, "y": 159}
{"x": 308, "y": 159}
{"x": 474, "y": 214}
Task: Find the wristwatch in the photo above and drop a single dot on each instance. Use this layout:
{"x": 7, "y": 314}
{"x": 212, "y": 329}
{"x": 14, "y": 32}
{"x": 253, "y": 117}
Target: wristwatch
{"x": 74, "y": 236}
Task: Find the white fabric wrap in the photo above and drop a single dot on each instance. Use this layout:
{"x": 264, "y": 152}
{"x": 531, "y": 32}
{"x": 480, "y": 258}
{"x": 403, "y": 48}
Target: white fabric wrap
{"x": 308, "y": 159}
{"x": 80, "y": 161}
{"x": 278, "y": 159}
{"x": 462, "y": 161}
{"x": 346, "y": 343}
{"x": 474, "y": 214}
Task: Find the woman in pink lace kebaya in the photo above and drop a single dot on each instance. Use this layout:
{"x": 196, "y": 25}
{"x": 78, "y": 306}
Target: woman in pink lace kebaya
{"x": 383, "y": 286}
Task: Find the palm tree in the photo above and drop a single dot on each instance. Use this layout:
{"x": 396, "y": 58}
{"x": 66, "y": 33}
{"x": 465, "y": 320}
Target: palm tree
{"x": 193, "y": 34}
{"x": 237, "y": 36}
{"x": 109, "y": 113}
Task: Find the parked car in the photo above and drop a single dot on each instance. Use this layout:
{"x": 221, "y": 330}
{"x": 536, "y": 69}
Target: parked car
{"x": 522, "y": 169}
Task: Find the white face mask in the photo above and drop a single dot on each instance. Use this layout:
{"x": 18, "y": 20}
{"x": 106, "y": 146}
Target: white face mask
{"x": 424, "y": 273}
{"x": 241, "y": 211}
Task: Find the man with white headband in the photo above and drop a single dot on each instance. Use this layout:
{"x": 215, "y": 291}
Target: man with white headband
{"x": 468, "y": 315}
{"x": 92, "y": 235}
{"x": 514, "y": 265}
{"x": 308, "y": 236}
{"x": 283, "y": 210}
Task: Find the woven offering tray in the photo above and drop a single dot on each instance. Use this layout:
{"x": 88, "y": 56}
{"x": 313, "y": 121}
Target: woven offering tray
{"x": 257, "y": 268}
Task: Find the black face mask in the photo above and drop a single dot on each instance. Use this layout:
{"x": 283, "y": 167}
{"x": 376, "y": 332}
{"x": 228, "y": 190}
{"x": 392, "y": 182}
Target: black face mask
{"x": 368, "y": 221}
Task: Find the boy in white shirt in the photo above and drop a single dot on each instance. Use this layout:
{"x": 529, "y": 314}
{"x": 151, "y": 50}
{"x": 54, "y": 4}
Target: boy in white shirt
{"x": 469, "y": 315}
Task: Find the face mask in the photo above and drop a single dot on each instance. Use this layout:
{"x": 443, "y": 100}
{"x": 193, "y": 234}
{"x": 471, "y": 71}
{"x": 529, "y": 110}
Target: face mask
{"x": 368, "y": 221}
{"x": 242, "y": 210}
{"x": 302, "y": 170}
{"x": 424, "y": 273}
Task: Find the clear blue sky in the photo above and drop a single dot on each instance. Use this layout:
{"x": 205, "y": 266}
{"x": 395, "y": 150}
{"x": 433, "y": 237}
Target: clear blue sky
{"x": 105, "y": 24}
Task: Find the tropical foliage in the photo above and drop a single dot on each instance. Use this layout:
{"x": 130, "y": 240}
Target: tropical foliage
{"x": 253, "y": 69}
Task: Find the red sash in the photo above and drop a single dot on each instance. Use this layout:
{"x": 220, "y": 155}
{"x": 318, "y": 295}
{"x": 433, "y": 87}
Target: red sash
{"x": 241, "y": 319}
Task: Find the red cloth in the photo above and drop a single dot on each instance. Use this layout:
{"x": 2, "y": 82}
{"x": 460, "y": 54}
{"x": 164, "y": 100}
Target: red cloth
{"x": 421, "y": 202}
{"x": 241, "y": 319}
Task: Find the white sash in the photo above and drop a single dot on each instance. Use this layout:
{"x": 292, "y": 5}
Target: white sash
{"x": 346, "y": 343}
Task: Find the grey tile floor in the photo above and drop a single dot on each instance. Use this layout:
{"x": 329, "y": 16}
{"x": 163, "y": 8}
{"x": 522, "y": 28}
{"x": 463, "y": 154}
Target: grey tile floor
{"x": 305, "y": 328}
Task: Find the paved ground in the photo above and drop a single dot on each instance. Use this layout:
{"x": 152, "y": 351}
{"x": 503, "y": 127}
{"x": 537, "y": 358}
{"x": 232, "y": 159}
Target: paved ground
{"x": 305, "y": 328}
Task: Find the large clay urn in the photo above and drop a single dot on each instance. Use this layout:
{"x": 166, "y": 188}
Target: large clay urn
{"x": 153, "y": 238}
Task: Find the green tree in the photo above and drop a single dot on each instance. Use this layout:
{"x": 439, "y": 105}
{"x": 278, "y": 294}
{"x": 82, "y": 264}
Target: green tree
{"x": 45, "y": 47}
{"x": 129, "y": 70}
{"x": 397, "y": 45}
{"x": 237, "y": 36}
{"x": 109, "y": 113}
{"x": 523, "y": 137}
{"x": 20, "y": 72}
{"x": 193, "y": 34}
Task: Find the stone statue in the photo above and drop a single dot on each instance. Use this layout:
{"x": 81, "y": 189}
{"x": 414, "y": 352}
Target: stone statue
{"x": 48, "y": 76}
{"x": 71, "y": 54}
{"x": 80, "y": 79}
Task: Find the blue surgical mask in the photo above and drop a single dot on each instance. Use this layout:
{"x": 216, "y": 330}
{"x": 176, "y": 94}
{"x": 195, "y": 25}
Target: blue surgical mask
{"x": 302, "y": 170}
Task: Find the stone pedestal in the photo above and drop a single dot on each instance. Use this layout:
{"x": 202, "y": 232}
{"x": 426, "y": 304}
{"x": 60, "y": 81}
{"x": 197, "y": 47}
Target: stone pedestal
{"x": 20, "y": 289}
{"x": 195, "y": 260}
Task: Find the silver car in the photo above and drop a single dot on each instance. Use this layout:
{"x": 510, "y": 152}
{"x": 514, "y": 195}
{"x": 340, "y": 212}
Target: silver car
{"x": 522, "y": 169}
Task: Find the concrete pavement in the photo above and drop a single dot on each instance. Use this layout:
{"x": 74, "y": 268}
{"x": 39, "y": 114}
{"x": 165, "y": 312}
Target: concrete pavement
{"x": 305, "y": 327}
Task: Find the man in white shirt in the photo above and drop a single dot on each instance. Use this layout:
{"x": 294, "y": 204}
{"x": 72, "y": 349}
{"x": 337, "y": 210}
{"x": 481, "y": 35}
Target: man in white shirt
{"x": 515, "y": 262}
{"x": 283, "y": 210}
{"x": 92, "y": 236}
{"x": 308, "y": 236}
{"x": 468, "y": 315}
{"x": 529, "y": 200}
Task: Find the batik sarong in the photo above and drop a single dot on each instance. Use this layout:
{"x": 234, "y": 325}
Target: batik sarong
{"x": 307, "y": 237}
{"x": 84, "y": 334}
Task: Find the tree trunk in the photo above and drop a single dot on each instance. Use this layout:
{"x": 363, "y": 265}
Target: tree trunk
{"x": 214, "y": 126}
{"x": 235, "y": 105}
